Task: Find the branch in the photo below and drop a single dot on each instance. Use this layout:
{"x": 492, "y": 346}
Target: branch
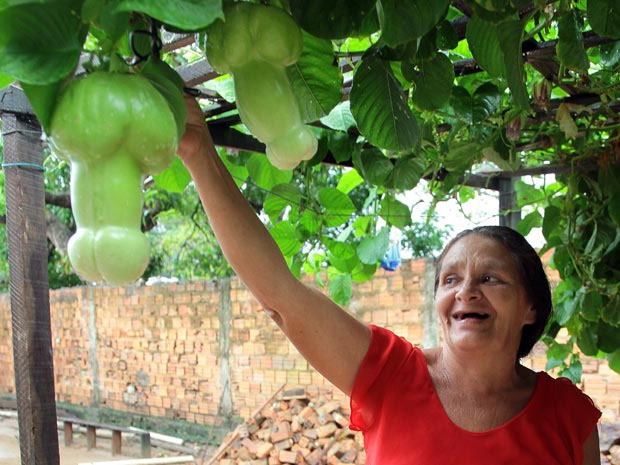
{"x": 59, "y": 199}
{"x": 57, "y": 232}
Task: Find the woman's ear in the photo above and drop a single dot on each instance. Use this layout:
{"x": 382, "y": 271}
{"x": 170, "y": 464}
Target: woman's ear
{"x": 530, "y": 316}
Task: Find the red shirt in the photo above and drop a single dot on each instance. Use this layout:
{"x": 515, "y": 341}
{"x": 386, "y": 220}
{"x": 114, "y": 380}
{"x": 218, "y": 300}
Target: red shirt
{"x": 395, "y": 404}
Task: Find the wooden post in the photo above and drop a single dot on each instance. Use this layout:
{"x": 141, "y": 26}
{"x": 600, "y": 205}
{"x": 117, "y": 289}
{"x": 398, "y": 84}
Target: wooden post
{"x": 508, "y": 203}
{"x": 91, "y": 437}
{"x": 145, "y": 445}
{"x": 29, "y": 291}
{"x": 68, "y": 429}
{"x": 117, "y": 442}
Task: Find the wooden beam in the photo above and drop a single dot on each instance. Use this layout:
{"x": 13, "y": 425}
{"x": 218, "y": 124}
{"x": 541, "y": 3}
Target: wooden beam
{"x": 29, "y": 290}
{"x": 155, "y": 461}
{"x": 509, "y": 211}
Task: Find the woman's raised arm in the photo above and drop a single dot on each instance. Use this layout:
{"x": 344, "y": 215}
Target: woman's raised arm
{"x": 330, "y": 339}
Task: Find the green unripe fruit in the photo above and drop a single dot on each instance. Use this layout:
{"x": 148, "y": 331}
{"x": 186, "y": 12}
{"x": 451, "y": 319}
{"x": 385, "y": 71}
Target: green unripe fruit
{"x": 255, "y": 44}
{"x": 114, "y": 129}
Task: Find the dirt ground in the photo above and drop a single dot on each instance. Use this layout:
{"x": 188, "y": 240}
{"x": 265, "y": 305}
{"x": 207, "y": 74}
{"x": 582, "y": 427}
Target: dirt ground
{"x": 74, "y": 455}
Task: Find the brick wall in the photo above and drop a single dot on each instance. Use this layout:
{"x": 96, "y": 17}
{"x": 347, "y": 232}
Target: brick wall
{"x": 203, "y": 349}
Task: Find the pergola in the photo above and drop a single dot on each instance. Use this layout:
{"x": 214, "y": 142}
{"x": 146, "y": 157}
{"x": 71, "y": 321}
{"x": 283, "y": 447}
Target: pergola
{"x": 26, "y": 220}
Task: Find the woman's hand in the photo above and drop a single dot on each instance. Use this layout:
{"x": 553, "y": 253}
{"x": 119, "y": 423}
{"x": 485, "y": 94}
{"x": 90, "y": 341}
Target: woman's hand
{"x": 196, "y": 137}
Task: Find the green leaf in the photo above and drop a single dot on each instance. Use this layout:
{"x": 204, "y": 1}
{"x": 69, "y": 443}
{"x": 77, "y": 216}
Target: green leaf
{"x": 41, "y": 43}
{"x": 433, "y": 83}
{"x": 43, "y": 100}
{"x": 338, "y": 206}
{"x": 531, "y": 220}
{"x": 611, "y": 312}
{"x": 604, "y": 17}
{"x": 363, "y": 272}
{"x": 461, "y": 156}
{"x": 588, "y": 339}
{"x": 614, "y": 361}
{"x": 340, "y": 118}
{"x": 551, "y": 221}
{"x": 569, "y": 48}
{"x": 614, "y": 208}
{"x": 170, "y": 85}
{"x": 447, "y": 38}
{"x": 341, "y": 145}
{"x": 380, "y": 109}
{"x": 264, "y": 174}
{"x": 175, "y": 178}
{"x": 591, "y": 304}
{"x": 310, "y": 222}
{"x": 375, "y": 167}
{"x": 239, "y": 173}
{"x": 608, "y": 337}
{"x": 510, "y": 34}
{"x": 477, "y": 107}
{"x": 331, "y": 19}
{"x": 528, "y": 194}
{"x": 373, "y": 248}
{"x": 406, "y": 173}
{"x": 285, "y": 236}
{"x": 341, "y": 288}
{"x": 280, "y": 197}
{"x": 394, "y": 212}
{"x": 5, "y": 80}
{"x": 316, "y": 82}
{"x": 349, "y": 181}
{"x": 402, "y": 22}
{"x": 342, "y": 256}
{"x": 485, "y": 46}
{"x": 360, "y": 225}
{"x": 188, "y": 15}
{"x": 610, "y": 54}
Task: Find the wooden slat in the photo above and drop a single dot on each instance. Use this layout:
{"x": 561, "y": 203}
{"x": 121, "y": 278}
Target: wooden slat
{"x": 29, "y": 292}
{"x": 91, "y": 437}
{"x": 68, "y": 433}
{"x": 117, "y": 442}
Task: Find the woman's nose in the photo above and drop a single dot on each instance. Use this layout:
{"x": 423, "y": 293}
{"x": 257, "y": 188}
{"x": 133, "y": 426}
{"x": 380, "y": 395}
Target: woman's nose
{"x": 468, "y": 290}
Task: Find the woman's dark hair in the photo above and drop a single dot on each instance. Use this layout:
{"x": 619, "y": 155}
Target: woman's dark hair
{"x": 531, "y": 271}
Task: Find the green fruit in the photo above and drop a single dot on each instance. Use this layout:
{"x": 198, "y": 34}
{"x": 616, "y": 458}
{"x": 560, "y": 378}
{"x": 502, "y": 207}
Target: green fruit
{"x": 255, "y": 44}
{"x": 114, "y": 129}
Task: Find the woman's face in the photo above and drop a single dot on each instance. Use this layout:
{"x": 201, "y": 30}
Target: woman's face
{"x": 481, "y": 302}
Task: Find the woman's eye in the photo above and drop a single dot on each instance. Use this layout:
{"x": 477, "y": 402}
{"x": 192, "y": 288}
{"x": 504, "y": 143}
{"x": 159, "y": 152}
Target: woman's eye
{"x": 489, "y": 279}
{"x": 449, "y": 280}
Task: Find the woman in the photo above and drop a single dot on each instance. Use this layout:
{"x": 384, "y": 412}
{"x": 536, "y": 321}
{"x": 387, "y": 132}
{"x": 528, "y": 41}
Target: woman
{"x": 467, "y": 402}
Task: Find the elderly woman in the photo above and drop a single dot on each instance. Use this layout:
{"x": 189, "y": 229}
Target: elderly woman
{"x": 469, "y": 401}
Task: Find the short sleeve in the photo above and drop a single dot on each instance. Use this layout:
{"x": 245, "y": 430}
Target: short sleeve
{"x": 578, "y": 413}
{"x": 387, "y": 352}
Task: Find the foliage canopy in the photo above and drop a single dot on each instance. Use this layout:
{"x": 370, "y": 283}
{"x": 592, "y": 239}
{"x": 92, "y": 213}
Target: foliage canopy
{"x": 399, "y": 91}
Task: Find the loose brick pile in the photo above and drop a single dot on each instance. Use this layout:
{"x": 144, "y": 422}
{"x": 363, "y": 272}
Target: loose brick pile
{"x": 297, "y": 428}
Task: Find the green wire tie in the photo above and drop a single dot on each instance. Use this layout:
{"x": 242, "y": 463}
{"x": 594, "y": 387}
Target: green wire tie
{"x": 34, "y": 166}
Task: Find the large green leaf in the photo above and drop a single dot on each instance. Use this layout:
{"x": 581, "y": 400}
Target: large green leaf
{"x": 433, "y": 83}
{"x": 239, "y": 173}
{"x": 406, "y": 173}
{"x": 175, "y": 178}
{"x": 285, "y": 236}
{"x": 341, "y": 145}
{"x": 380, "y": 108}
{"x": 604, "y": 17}
{"x": 43, "y": 100}
{"x": 374, "y": 166}
{"x": 510, "y": 34}
{"x": 485, "y": 46}
{"x": 170, "y": 85}
{"x": 349, "y": 181}
{"x": 530, "y": 221}
{"x": 338, "y": 206}
{"x": 280, "y": 197}
{"x": 340, "y": 118}
{"x": 394, "y": 212}
{"x": 189, "y": 15}
{"x": 331, "y": 19}
{"x": 461, "y": 156}
{"x": 316, "y": 82}
{"x": 264, "y": 174}
{"x": 610, "y": 54}
{"x": 5, "y": 80}
{"x": 341, "y": 288}
{"x": 373, "y": 248}
{"x": 570, "y": 49}
{"x": 41, "y": 43}
{"x": 402, "y": 21}
{"x": 477, "y": 107}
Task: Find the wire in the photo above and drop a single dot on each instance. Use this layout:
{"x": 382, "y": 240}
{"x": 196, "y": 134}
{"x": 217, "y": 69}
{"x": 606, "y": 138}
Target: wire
{"x": 33, "y": 166}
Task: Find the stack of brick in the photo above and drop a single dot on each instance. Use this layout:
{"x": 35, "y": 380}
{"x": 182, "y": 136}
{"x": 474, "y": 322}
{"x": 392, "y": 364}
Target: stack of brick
{"x": 297, "y": 428}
